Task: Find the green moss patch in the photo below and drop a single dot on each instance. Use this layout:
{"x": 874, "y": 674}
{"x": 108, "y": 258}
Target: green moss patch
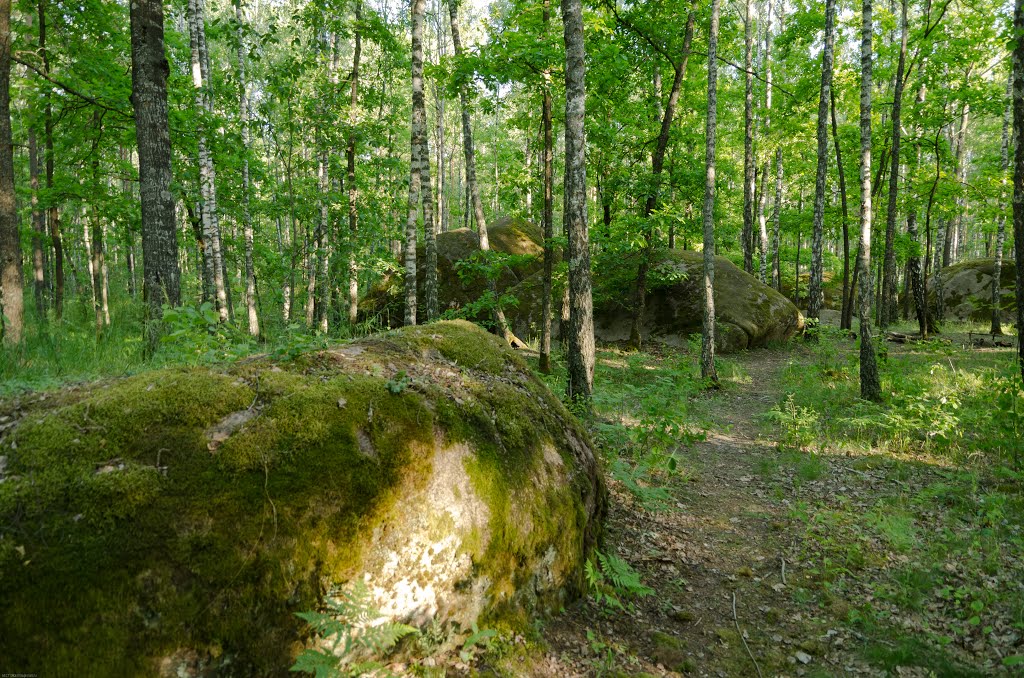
{"x": 180, "y": 518}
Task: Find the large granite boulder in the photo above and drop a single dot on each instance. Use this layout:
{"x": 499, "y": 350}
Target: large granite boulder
{"x": 172, "y": 523}
{"x": 967, "y": 290}
{"x": 519, "y": 243}
{"x": 749, "y": 314}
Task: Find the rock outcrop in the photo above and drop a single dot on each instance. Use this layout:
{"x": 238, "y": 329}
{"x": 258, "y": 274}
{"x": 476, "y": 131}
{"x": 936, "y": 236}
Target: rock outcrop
{"x": 173, "y": 522}
{"x": 749, "y": 314}
{"x": 967, "y": 290}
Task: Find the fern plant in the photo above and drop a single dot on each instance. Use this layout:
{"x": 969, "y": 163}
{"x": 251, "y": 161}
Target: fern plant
{"x": 611, "y": 580}
{"x": 352, "y": 636}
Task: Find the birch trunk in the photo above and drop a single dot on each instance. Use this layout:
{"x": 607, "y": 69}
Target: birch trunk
{"x": 580, "y": 339}
{"x": 870, "y": 388}
{"x": 777, "y": 222}
{"x": 707, "y": 354}
{"x": 53, "y": 213}
{"x": 207, "y": 172}
{"x": 888, "y": 310}
{"x": 38, "y": 229}
{"x": 997, "y": 297}
{"x": 353, "y": 192}
{"x": 252, "y": 316}
{"x": 1018, "y": 167}
{"x": 548, "y": 212}
{"x": 814, "y": 291}
{"x": 748, "y": 140}
{"x": 766, "y": 167}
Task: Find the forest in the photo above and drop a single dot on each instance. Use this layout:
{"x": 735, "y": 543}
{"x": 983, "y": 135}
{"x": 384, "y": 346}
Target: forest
{"x": 511, "y": 338}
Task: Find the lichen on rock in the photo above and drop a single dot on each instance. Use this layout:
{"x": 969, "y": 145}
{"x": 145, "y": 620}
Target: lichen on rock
{"x": 173, "y": 522}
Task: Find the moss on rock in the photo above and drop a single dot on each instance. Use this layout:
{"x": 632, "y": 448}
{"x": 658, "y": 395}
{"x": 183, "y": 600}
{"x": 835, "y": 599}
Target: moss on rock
{"x": 967, "y": 290}
{"x": 173, "y": 522}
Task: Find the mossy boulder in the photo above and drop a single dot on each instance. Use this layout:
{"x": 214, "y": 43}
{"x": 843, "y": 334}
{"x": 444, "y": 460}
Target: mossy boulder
{"x": 519, "y": 243}
{"x": 967, "y": 290}
{"x": 173, "y": 522}
{"x": 749, "y": 314}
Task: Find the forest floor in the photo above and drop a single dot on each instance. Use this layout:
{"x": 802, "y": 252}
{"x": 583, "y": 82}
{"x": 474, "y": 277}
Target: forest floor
{"x": 777, "y": 547}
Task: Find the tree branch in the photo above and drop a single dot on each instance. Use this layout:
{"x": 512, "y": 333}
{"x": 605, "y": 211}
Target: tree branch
{"x": 70, "y": 90}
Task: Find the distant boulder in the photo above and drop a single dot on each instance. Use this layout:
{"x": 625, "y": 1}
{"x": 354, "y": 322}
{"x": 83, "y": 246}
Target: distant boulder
{"x": 520, "y": 240}
{"x": 967, "y": 290}
{"x": 749, "y": 313}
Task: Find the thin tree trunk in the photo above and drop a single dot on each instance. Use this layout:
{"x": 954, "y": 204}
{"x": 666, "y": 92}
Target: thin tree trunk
{"x": 997, "y": 292}
{"x": 96, "y": 258}
{"x": 38, "y": 229}
{"x": 914, "y": 275}
{"x": 207, "y": 172}
{"x": 353, "y": 193}
{"x": 870, "y": 387}
{"x": 766, "y": 167}
{"x": 247, "y": 230}
{"x": 887, "y": 310}
{"x": 814, "y": 291}
{"x": 416, "y": 9}
{"x": 777, "y": 222}
{"x": 161, "y": 277}
{"x": 53, "y": 213}
{"x": 846, "y": 315}
{"x": 11, "y": 296}
{"x": 580, "y": 333}
{"x": 1018, "y": 168}
{"x": 707, "y": 354}
{"x": 748, "y": 140}
{"x": 657, "y": 165}
{"x": 548, "y": 214}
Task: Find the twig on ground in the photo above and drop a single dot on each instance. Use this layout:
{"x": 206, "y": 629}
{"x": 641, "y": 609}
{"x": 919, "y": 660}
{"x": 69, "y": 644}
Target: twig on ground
{"x": 744, "y": 640}
{"x": 783, "y": 571}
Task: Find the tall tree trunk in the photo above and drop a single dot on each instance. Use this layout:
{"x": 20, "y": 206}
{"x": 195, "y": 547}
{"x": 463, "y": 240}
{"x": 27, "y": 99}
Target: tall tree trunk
{"x": 207, "y": 172}
{"x": 657, "y": 165}
{"x": 472, "y": 185}
{"x": 53, "y": 213}
{"x": 870, "y": 387}
{"x": 548, "y": 212}
{"x": 777, "y": 222}
{"x": 914, "y": 273}
{"x": 707, "y": 353}
{"x": 12, "y": 299}
{"x": 748, "y": 140}
{"x": 419, "y": 187}
{"x": 888, "y": 310}
{"x": 814, "y": 291}
{"x": 766, "y": 167}
{"x": 950, "y": 246}
{"x": 97, "y": 256}
{"x": 997, "y": 292}
{"x": 416, "y": 13}
{"x": 161, "y": 277}
{"x": 580, "y": 337}
{"x": 350, "y": 157}
{"x": 247, "y": 230}
{"x": 38, "y": 229}
{"x": 846, "y": 315}
{"x": 1018, "y": 168}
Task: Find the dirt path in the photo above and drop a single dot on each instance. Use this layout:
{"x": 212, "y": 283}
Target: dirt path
{"x": 727, "y": 541}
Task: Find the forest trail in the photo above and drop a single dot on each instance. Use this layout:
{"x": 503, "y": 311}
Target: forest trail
{"x": 728, "y": 539}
